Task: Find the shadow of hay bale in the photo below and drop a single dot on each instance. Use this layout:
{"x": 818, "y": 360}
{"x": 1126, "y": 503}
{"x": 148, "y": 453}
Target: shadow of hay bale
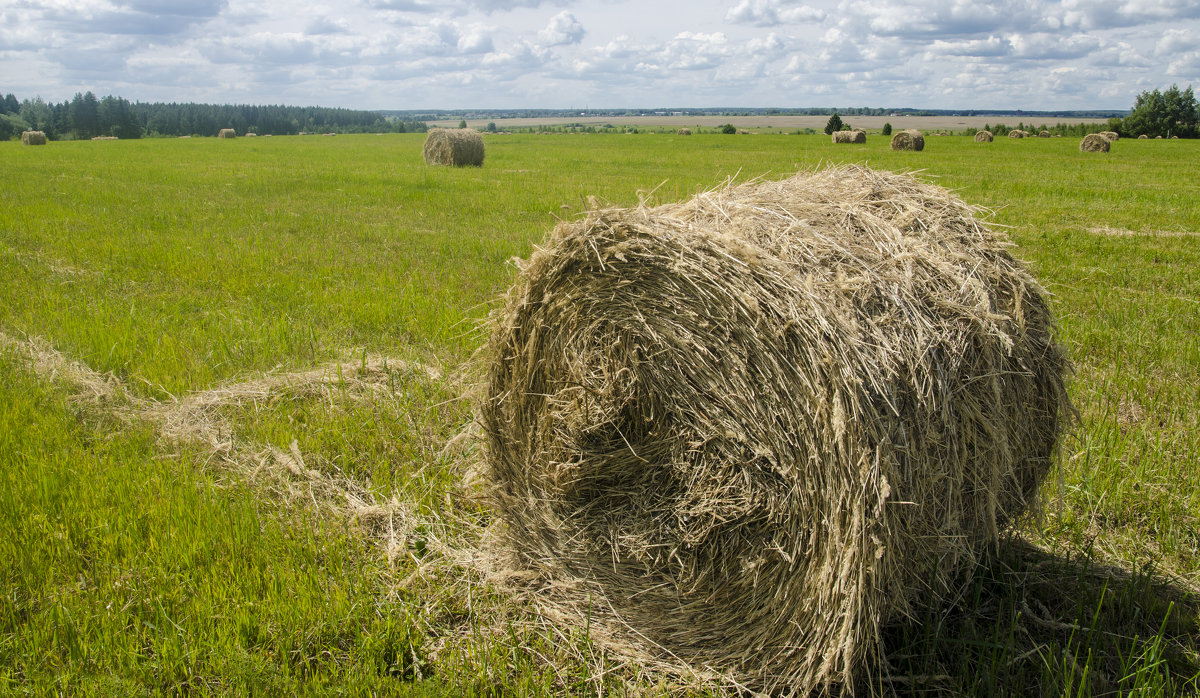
{"x": 1028, "y": 622}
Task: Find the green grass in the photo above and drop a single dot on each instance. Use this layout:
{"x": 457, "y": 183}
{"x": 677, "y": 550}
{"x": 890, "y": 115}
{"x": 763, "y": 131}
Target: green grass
{"x": 136, "y": 564}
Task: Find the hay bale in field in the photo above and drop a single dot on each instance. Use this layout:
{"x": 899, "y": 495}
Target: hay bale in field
{"x": 684, "y": 132}
{"x": 1094, "y": 143}
{"x": 454, "y": 146}
{"x": 1111, "y": 135}
{"x": 251, "y": 134}
{"x": 849, "y": 136}
{"x": 1016, "y": 133}
{"x": 33, "y": 137}
{"x": 1044, "y": 134}
{"x": 104, "y": 138}
{"x": 1143, "y": 137}
{"x": 744, "y": 431}
{"x": 908, "y": 139}
{"x": 226, "y": 133}
{"x": 983, "y": 136}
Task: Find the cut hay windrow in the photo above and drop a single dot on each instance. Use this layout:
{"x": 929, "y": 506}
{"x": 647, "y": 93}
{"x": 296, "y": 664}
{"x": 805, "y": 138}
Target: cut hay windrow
{"x": 740, "y": 433}
{"x": 983, "y": 136}
{"x": 850, "y": 136}
{"x": 33, "y": 137}
{"x": 454, "y": 146}
{"x": 908, "y": 139}
{"x": 1094, "y": 143}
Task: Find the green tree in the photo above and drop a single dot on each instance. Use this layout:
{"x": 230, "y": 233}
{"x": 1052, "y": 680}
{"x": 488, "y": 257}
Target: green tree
{"x": 38, "y": 115}
{"x": 887, "y": 129}
{"x": 491, "y": 127}
{"x": 85, "y": 115}
{"x": 462, "y": 124}
{"x": 1172, "y": 112}
{"x": 834, "y": 124}
{"x": 11, "y": 105}
{"x": 729, "y": 128}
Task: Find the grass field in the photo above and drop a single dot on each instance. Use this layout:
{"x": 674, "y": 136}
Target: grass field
{"x": 229, "y": 369}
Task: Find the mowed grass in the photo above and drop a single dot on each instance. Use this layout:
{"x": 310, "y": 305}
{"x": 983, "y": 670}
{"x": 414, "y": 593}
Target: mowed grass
{"x": 135, "y": 563}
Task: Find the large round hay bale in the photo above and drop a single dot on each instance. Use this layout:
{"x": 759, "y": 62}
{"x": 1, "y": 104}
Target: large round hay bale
{"x": 849, "y": 136}
{"x": 226, "y": 133}
{"x": 1111, "y": 135}
{"x": 454, "y": 146}
{"x": 983, "y": 136}
{"x": 1094, "y": 143}
{"x": 743, "y": 431}
{"x": 1016, "y": 133}
{"x": 1043, "y": 134}
{"x": 684, "y": 132}
{"x": 33, "y": 137}
{"x": 1143, "y": 137}
{"x": 908, "y": 139}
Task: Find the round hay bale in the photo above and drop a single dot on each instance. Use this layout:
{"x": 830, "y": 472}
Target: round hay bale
{"x": 1016, "y": 133}
{"x": 1143, "y": 137}
{"x": 983, "y": 136}
{"x": 1111, "y": 135}
{"x": 33, "y": 137}
{"x": 744, "y": 431}
{"x": 454, "y": 146}
{"x": 849, "y": 136}
{"x": 908, "y": 139}
{"x": 684, "y": 131}
{"x": 1094, "y": 143}
{"x": 1044, "y": 134}
{"x": 226, "y": 133}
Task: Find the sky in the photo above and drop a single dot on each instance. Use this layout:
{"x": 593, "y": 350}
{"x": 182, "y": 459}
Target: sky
{"x": 567, "y": 54}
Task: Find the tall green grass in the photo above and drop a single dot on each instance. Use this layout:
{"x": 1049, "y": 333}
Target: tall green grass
{"x": 133, "y": 564}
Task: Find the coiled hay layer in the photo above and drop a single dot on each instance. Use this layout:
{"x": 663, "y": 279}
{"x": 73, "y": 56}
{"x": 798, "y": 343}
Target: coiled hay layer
{"x": 850, "y": 136}
{"x": 908, "y": 139}
{"x": 33, "y": 137}
{"x": 983, "y": 136}
{"x": 743, "y": 431}
{"x": 454, "y": 146}
{"x": 1094, "y": 143}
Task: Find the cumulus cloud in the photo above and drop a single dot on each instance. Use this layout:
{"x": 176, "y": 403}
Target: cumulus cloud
{"x": 771, "y": 13}
{"x": 562, "y": 30}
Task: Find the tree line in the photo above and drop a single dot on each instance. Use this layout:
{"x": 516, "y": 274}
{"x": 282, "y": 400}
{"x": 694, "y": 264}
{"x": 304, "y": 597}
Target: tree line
{"x": 86, "y": 116}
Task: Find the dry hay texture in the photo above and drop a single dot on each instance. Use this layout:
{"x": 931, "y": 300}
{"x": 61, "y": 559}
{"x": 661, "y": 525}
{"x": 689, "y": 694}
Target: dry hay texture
{"x": 849, "y": 136}
{"x": 226, "y": 133}
{"x": 1111, "y": 135}
{"x": 1094, "y": 143}
{"x": 908, "y": 139}
{"x": 742, "y": 432}
{"x": 454, "y": 146}
{"x": 1016, "y": 133}
{"x": 983, "y": 136}
{"x": 684, "y": 132}
{"x": 33, "y": 137}
{"x": 1143, "y": 137}
{"x": 1044, "y": 134}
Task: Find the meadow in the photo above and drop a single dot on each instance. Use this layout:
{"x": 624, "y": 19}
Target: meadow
{"x": 229, "y": 372}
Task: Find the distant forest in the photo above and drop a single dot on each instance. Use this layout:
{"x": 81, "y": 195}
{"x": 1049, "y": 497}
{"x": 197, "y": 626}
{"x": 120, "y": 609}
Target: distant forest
{"x": 85, "y": 116}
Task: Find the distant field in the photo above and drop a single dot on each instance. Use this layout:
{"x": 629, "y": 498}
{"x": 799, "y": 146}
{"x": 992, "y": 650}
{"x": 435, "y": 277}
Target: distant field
{"x": 770, "y": 123}
{"x": 229, "y": 371}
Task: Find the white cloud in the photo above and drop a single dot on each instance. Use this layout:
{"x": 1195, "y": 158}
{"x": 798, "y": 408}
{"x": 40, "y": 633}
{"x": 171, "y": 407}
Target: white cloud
{"x": 772, "y": 13}
{"x": 562, "y": 30}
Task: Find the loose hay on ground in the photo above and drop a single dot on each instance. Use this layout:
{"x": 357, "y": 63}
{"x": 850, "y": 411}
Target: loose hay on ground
{"x": 454, "y": 146}
{"x": 743, "y": 431}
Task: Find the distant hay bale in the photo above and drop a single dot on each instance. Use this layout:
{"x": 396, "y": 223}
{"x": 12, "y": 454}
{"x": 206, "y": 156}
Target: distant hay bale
{"x": 454, "y": 146}
{"x": 1044, "y": 134}
{"x": 908, "y": 139}
{"x": 684, "y": 132}
{"x": 33, "y": 137}
{"x": 849, "y": 136}
{"x": 742, "y": 432}
{"x": 1094, "y": 143}
{"x": 1016, "y": 133}
{"x": 1158, "y": 138}
{"x": 1111, "y": 135}
{"x": 1174, "y": 138}
{"x": 983, "y": 136}
{"x": 104, "y": 138}
{"x": 251, "y": 134}
{"x": 1143, "y": 137}
{"x": 226, "y": 133}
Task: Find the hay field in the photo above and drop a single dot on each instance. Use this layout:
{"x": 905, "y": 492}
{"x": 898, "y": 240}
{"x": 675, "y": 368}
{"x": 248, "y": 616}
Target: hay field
{"x": 230, "y": 388}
